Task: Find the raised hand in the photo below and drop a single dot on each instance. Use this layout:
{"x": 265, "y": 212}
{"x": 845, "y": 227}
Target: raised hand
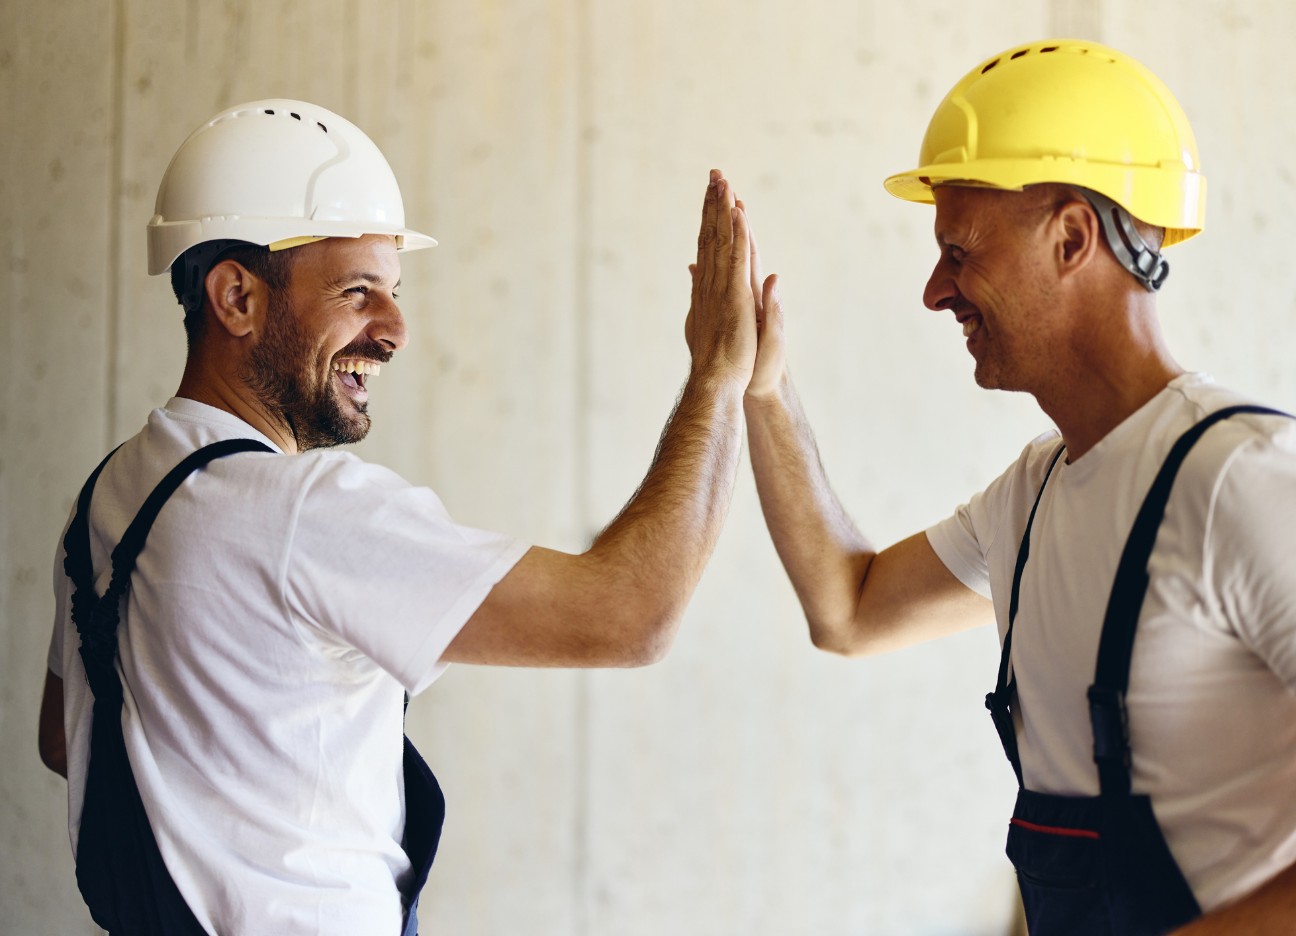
{"x": 771, "y": 357}
{"x": 721, "y": 323}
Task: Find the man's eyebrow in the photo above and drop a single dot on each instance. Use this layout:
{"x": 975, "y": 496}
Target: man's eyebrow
{"x": 365, "y": 275}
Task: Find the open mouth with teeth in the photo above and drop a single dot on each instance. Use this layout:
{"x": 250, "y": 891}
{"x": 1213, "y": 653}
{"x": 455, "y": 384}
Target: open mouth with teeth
{"x": 354, "y": 373}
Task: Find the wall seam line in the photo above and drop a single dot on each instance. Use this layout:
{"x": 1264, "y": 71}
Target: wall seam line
{"x": 116, "y": 123}
{"x": 583, "y": 217}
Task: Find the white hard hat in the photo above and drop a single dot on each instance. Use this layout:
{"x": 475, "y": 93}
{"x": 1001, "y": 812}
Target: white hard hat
{"x": 275, "y": 173}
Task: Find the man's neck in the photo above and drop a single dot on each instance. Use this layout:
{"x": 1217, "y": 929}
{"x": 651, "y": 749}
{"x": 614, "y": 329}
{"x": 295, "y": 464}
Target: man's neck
{"x": 214, "y": 388}
{"x": 1115, "y": 366}
{"x": 1086, "y": 416}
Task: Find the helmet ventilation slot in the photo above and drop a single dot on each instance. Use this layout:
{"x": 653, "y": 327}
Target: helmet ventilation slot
{"x": 294, "y": 116}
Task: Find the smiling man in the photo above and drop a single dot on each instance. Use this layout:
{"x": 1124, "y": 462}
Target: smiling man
{"x": 241, "y": 610}
{"x": 1156, "y": 774}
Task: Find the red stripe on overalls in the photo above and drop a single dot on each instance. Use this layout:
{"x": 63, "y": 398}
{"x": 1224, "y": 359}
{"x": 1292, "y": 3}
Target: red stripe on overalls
{"x": 1054, "y": 830}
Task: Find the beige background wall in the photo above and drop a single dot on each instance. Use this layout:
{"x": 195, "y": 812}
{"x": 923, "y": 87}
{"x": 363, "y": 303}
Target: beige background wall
{"x": 559, "y": 149}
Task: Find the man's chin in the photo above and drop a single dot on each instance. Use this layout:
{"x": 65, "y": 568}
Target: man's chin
{"x": 351, "y": 433}
{"x": 985, "y": 377}
{"x": 334, "y": 429}
{"x": 990, "y": 379}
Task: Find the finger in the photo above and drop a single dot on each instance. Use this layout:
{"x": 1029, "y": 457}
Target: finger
{"x": 707, "y": 229}
{"x": 688, "y": 319}
{"x": 713, "y": 207}
{"x": 755, "y": 265}
{"x": 739, "y": 252}
{"x": 773, "y": 304}
{"x": 708, "y": 210}
{"x": 722, "y": 246}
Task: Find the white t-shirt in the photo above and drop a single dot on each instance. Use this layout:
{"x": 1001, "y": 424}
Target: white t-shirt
{"x": 281, "y": 607}
{"x": 1212, "y": 696}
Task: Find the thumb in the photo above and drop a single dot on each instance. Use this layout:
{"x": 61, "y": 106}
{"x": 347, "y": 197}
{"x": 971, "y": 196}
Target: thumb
{"x": 772, "y": 304}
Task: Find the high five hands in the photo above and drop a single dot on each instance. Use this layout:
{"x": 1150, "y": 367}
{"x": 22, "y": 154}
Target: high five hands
{"x": 735, "y": 318}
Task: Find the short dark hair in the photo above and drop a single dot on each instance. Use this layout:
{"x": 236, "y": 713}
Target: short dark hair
{"x": 273, "y": 267}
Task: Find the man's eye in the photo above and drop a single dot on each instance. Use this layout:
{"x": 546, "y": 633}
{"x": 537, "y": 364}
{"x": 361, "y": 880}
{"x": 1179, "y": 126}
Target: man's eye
{"x": 358, "y": 290}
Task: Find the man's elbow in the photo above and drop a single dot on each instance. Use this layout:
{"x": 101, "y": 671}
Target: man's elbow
{"x": 641, "y": 638}
{"x": 653, "y": 646}
{"x": 844, "y": 639}
{"x": 830, "y": 641}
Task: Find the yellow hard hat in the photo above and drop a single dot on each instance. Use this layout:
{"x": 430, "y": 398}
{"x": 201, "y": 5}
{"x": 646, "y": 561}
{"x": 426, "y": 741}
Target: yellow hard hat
{"x": 1069, "y": 111}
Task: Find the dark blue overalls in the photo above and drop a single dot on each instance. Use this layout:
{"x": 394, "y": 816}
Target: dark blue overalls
{"x": 1097, "y": 865}
{"x": 119, "y": 869}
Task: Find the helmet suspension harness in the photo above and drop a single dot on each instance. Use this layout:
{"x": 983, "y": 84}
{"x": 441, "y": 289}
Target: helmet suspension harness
{"x": 1131, "y": 250}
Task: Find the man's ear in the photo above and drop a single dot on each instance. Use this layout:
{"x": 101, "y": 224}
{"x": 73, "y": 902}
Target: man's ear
{"x": 237, "y": 297}
{"x": 1078, "y": 236}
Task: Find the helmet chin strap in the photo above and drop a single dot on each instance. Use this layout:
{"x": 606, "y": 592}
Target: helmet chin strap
{"x": 1132, "y": 252}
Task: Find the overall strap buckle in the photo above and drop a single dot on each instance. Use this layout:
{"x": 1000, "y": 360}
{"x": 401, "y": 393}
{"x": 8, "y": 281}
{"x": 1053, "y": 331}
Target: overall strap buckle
{"x": 999, "y": 703}
{"x": 1109, "y": 717}
{"x": 1107, "y": 709}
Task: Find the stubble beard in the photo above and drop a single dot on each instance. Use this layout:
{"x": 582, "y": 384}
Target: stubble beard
{"x": 281, "y": 371}
{"x": 998, "y": 368}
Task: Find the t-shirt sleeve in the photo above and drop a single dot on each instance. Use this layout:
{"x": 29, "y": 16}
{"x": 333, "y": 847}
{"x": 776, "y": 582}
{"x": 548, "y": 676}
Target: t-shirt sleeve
{"x": 379, "y": 565}
{"x": 1248, "y": 549}
{"x": 957, "y": 544}
{"x": 965, "y": 540}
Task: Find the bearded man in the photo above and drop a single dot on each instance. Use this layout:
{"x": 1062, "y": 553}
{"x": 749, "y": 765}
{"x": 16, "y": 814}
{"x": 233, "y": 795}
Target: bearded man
{"x": 232, "y": 647}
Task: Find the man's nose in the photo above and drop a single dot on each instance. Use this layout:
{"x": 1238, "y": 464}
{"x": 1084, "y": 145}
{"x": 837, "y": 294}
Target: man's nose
{"x": 941, "y": 292}
{"x": 388, "y": 326}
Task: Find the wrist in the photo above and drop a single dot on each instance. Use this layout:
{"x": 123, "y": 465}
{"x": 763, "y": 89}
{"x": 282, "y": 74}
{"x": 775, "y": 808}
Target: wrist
{"x": 776, "y": 394}
{"x": 719, "y": 379}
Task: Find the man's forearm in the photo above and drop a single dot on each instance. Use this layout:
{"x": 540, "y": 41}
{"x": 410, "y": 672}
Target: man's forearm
{"x": 825, "y": 556}
{"x": 1270, "y": 910}
{"x": 619, "y": 602}
{"x": 659, "y": 544}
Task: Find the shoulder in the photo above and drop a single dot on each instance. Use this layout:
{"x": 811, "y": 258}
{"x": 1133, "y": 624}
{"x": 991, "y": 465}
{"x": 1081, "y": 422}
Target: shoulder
{"x": 1235, "y": 493}
{"x": 1194, "y": 397}
{"x": 995, "y": 515}
{"x": 335, "y": 490}
{"x": 333, "y": 474}
{"x": 1014, "y": 491}
{"x": 1246, "y": 444}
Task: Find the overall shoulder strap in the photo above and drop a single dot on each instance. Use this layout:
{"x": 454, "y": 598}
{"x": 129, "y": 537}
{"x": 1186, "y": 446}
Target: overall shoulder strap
{"x": 1000, "y": 701}
{"x": 1107, "y": 710}
{"x": 132, "y": 542}
{"x": 96, "y": 619}
{"x": 76, "y": 541}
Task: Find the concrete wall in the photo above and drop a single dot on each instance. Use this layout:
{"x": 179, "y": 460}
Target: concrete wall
{"x": 559, "y": 149}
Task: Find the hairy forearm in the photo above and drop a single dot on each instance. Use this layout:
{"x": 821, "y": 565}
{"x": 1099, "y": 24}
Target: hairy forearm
{"x": 619, "y": 603}
{"x": 1270, "y": 910}
{"x": 824, "y": 554}
{"x": 654, "y": 551}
